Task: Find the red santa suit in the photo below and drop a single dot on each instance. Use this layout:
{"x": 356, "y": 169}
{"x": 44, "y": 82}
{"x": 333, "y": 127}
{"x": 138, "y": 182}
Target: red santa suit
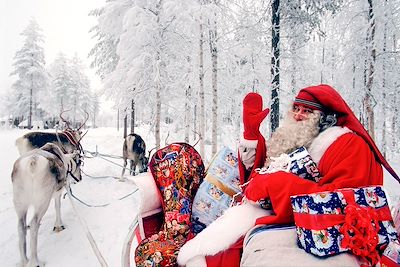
{"x": 345, "y": 154}
{"x": 344, "y": 160}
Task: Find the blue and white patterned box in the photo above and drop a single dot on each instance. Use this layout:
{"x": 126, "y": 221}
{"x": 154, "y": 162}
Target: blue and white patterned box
{"x": 323, "y": 240}
{"x": 391, "y": 255}
{"x": 215, "y": 193}
{"x": 303, "y": 166}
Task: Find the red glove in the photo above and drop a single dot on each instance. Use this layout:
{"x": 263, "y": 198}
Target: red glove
{"x": 253, "y": 115}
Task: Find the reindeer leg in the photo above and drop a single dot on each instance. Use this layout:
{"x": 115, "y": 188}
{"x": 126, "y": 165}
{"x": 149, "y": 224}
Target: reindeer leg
{"x": 123, "y": 169}
{"x": 40, "y": 209}
{"x": 58, "y": 225}
{"x": 140, "y": 164}
{"x": 22, "y": 236}
{"x": 133, "y": 166}
{"x": 21, "y": 208}
{"x": 35, "y": 223}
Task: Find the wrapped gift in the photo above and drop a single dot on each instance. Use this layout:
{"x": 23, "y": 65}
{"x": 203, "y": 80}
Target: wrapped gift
{"x": 355, "y": 219}
{"x": 303, "y": 165}
{"x": 391, "y": 255}
{"x": 215, "y": 193}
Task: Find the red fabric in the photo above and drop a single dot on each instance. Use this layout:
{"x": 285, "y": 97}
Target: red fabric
{"x": 323, "y": 221}
{"x": 229, "y": 257}
{"x": 348, "y": 162}
{"x": 261, "y": 152}
{"x": 332, "y": 101}
{"x": 387, "y": 262}
{"x": 152, "y": 224}
{"x": 307, "y": 100}
{"x": 253, "y": 115}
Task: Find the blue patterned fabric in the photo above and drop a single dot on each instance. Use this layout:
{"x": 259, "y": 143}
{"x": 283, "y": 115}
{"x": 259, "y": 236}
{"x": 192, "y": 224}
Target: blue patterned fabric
{"x": 327, "y": 242}
{"x": 303, "y": 166}
{"x": 215, "y": 193}
{"x": 392, "y": 253}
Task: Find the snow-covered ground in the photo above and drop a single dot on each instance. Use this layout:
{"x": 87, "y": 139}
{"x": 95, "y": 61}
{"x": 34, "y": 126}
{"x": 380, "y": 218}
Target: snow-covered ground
{"x": 109, "y": 225}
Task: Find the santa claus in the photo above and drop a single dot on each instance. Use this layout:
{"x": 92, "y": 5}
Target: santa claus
{"x": 319, "y": 120}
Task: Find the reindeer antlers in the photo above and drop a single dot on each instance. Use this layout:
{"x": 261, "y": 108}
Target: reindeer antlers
{"x": 67, "y": 123}
{"x": 87, "y": 117}
{"x": 64, "y": 120}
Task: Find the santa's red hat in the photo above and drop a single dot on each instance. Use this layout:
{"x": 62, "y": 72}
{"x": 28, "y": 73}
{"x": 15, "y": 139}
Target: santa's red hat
{"x": 324, "y": 97}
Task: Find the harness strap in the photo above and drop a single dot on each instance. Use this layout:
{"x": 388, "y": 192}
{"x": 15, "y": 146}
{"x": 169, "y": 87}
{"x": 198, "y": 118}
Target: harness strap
{"x": 71, "y": 137}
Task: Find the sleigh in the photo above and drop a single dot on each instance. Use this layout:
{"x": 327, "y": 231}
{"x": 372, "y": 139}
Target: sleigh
{"x": 263, "y": 245}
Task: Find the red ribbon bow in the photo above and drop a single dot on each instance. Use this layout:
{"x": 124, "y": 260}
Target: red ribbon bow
{"x": 360, "y": 232}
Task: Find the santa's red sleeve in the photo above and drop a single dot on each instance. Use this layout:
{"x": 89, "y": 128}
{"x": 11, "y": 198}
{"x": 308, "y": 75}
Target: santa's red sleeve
{"x": 261, "y": 152}
{"x": 348, "y": 162}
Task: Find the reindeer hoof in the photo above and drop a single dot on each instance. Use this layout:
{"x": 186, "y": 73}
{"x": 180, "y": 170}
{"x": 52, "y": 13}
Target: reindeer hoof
{"x": 35, "y": 264}
{"x": 58, "y": 229}
{"x": 122, "y": 179}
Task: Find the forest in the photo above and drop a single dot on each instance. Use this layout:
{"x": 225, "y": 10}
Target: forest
{"x": 189, "y": 64}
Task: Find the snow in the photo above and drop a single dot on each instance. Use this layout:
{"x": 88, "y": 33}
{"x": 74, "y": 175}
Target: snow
{"x": 109, "y": 225}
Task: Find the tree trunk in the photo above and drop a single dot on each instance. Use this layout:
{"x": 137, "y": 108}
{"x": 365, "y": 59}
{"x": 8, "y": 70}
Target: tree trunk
{"x": 30, "y": 104}
{"x": 323, "y": 61}
{"x": 118, "y": 120}
{"x": 132, "y": 116}
{"x": 187, "y": 113}
{"x": 75, "y": 107}
{"x": 201, "y": 91}
{"x": 214, "y": 62}
{"x": 384, "y": 141}
{"x": 293, "y": 80}
{"x": 125, "y": 124}
{"x": 195, "y": 132}
{"x": 158, "y": 85}
{"x": 395, "y": 112}
{"x": 158, "y": 110}
{"x": 275, "y": 58}
{"x": 371, "y": 69}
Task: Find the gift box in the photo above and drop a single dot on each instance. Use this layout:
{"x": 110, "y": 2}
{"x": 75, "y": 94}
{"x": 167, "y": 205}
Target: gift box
{"x": 353, "y": 219}
{"x": 217, "y": 189}
{"x": 298, "y": 162}
{"x": 303, "y": 165}
{"x": 391, "y": 255}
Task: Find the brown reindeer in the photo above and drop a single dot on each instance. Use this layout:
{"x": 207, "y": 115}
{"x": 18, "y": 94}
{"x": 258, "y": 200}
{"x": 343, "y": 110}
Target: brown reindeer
{"x": 134, "y": 149}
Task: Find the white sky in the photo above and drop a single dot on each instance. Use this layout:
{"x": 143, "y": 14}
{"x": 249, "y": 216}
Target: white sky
{"x": 65, "y": 25}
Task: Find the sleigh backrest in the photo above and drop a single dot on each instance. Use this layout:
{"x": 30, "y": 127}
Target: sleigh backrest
{"x": 178, "y": 171}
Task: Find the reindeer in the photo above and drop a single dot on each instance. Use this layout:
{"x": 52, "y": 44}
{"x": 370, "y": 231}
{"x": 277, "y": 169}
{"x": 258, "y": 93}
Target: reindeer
{"x": 37, "y": 176}
{"x": 68, "y": 140}
{"x": 134, "y": 149}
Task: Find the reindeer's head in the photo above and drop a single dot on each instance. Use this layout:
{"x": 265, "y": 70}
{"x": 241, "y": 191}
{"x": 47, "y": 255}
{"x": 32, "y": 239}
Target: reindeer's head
{"x": 74, "y": 135}
{"x": 74, "y": 161}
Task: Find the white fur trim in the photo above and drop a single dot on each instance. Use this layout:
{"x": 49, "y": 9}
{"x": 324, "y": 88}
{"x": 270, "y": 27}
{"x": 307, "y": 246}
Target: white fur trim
{"x": 222, "y": 233}
{"x": 323, "y": 141}
{"x": 198, "y": 261}
{"x": 248, "y": 143}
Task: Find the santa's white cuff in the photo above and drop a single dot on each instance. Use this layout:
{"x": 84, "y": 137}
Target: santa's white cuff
{"x": 248, "y": 143}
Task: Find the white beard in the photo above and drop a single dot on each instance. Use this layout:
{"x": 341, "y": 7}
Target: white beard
{"x": 292, "y": 134}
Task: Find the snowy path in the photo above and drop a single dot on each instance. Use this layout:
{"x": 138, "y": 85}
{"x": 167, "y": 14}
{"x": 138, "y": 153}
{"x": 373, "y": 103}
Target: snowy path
{"x": 109, "y": 225}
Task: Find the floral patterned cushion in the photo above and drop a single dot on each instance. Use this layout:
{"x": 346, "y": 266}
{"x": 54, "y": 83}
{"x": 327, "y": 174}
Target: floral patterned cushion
{"x": 178, "y": 171}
